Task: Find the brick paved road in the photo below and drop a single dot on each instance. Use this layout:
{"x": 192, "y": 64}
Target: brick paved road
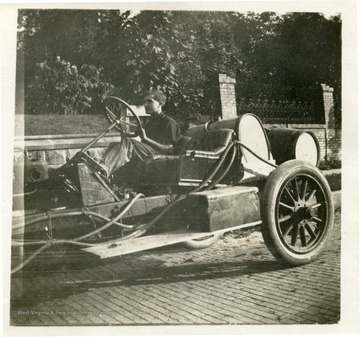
{"x": 236, "y": 281}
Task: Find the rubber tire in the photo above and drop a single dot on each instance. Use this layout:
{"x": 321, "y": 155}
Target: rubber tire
{"x": 269, "y": 198}
{"x": 202, "y": 243}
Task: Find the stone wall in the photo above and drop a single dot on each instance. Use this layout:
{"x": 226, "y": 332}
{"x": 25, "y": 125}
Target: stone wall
{"x": 57, "y": 150}
{"x": 328, "y": 134}
{"x": 329, "y": 139}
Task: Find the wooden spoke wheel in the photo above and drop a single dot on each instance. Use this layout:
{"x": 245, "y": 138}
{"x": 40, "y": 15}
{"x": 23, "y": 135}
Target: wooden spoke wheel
{"x": 297, "y": 212}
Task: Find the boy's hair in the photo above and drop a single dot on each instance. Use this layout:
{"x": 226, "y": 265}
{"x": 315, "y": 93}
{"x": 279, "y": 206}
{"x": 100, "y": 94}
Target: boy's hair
{"x": 157, "y": 95}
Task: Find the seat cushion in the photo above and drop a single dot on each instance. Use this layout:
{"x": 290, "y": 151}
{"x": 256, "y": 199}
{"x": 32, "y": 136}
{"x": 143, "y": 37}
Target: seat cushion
{"x": 160, "y": 170}
{"x": 183, "y": 144}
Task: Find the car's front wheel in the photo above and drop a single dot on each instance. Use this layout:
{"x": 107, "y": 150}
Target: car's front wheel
{"x": 297, "y": 212}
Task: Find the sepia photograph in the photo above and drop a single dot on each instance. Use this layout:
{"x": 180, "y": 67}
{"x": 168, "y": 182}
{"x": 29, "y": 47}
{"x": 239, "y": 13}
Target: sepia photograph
{"x": 180, "y": 166}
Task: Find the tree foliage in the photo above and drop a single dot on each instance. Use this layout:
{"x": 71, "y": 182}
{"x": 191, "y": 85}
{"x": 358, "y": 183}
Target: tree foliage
{"x": 59, "y": 87}
{"x": 272, "y": 56}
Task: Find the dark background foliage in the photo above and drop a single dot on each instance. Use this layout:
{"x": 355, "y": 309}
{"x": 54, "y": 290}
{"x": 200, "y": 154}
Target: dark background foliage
{"x": 73, "y": 58}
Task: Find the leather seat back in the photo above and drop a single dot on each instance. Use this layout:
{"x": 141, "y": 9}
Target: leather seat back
{"x": 191, "y": 163}
{"x": 214, "y": 142}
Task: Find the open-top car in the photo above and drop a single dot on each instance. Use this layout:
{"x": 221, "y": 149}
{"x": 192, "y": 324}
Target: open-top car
{"x": 224, "y": 175}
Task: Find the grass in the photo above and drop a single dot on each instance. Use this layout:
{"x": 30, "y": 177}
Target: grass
{"x": 34, "y": 125}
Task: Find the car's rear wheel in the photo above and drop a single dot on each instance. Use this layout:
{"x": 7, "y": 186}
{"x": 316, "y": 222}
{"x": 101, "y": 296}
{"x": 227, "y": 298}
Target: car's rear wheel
{"x": 297, "y": 212}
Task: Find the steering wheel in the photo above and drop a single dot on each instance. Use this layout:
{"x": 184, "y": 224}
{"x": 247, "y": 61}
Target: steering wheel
{"x": 115, "y": 111}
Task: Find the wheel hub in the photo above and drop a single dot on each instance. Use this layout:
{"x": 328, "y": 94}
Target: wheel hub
{"x": 303, "y": 213}
{"x": 309, "y": 213}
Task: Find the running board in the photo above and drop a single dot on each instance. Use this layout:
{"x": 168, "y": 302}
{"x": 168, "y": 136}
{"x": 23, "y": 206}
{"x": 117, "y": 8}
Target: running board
{"x": 124, "y": 247}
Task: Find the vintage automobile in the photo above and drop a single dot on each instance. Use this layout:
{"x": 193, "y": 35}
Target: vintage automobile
{"x": 236, "y": 174}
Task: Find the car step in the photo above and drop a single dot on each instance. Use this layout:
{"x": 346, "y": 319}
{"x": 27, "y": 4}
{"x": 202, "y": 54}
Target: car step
{"x": 124, "y": 247}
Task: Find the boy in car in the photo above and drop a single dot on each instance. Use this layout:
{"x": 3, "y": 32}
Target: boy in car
{"x": 159, "y": 136}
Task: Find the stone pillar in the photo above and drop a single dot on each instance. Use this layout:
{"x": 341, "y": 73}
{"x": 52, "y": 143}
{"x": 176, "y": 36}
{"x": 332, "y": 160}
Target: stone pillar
{"x": 332, "y": 133}
{"x": 227, "y": 96}
{"x": 328, "y": 97}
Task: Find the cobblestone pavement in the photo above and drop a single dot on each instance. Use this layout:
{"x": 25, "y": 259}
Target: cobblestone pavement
{"x": 236, "y": 281}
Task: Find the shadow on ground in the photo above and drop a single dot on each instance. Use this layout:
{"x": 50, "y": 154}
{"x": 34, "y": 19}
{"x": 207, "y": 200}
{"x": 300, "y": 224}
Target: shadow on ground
{"x": 38, "y": 286}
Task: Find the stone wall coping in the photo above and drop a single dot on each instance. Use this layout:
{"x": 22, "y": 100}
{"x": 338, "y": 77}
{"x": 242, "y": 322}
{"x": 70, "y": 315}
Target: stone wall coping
{"x": 223, "y": 78}
{"x": 62, "y": 142}
{"x": 67, "y": 136}
{"x": 327, "y": 88}
{"x": 331, "y": 171}
{"x": 299, "y": 126}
